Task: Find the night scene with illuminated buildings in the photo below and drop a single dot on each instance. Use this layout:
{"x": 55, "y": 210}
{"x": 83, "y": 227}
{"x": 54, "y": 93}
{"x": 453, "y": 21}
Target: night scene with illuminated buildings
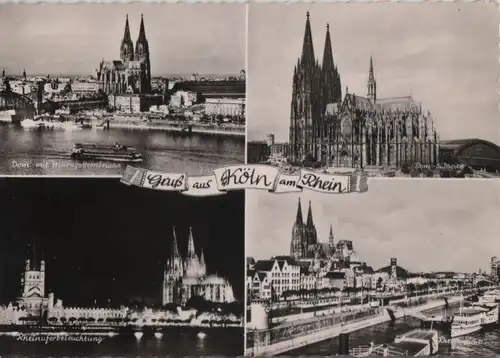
{"x": 93, "y": 265}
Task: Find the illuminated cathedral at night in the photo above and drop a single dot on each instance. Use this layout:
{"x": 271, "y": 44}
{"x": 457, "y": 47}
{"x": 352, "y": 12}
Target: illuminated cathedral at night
{"x": 348, "y": 130}
{"x": 187, "y": 277}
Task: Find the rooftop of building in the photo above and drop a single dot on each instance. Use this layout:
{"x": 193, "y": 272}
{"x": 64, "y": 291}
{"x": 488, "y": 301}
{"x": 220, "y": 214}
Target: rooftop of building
{"x": 457, "y": 144}
{"x": 400, "y": 272}
{"x": 228, "y": 88}
{"x": 380, "y": 104}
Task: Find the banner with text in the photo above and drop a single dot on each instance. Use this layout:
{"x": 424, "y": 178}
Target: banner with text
{"x": 248, "y": 176}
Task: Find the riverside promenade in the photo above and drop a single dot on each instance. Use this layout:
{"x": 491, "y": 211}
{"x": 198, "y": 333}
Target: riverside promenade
{"x": 300, "y": 333}
{"x": 135, "y": 123}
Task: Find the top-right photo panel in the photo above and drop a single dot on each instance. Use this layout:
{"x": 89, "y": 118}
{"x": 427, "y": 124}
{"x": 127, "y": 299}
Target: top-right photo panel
{"x": 396, "y": 90}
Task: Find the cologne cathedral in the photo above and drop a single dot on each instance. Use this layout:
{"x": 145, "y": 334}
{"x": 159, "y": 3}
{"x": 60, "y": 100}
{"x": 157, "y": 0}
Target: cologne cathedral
{"x": 353, "y": 131}
{"x": 305, "y": 245}
{"x": 304, "y": 242}
{"x": 186, "y": 278}
{"x": 132, "y": 73}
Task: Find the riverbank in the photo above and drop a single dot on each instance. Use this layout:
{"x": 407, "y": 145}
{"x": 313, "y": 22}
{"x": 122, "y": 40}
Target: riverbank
{"x": 176, "y": 127}
{"x": 319, "y": 334}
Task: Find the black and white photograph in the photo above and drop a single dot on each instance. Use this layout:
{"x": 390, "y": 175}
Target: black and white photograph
{"x": 409, "y": 268}
{"x": 93, "y": 267}
{"x": 87, "y": 89}
{"x": 345, "y": 87}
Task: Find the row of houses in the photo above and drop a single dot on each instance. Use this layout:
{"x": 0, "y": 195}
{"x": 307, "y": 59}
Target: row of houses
{"x": 277, "y": 277}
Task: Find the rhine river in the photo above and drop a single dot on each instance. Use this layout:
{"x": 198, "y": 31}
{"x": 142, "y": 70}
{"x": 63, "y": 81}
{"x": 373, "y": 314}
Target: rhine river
{"x": 47, "y": 152}
{"x": 485, "y": 343}
{"x": 176, "y": 342}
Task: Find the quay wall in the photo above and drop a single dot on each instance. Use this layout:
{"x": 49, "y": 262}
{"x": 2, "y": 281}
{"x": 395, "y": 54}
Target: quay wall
{"x": 300, "y": 316}
{"x": 169, "y": 127}
{"x": 352, "y": 326}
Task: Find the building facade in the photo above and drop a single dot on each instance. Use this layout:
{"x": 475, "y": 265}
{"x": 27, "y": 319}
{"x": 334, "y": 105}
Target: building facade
{"x": 132, "y": 73}
{"x": 33, "y": 297}
{"x": 230, "y": 107}
{"x": 495, "y": 267}
{"x": 350, "y": 130}
{"x": 187, "y": 277}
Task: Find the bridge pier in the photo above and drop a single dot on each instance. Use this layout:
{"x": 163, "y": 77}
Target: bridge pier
{"x": 344, "y": 344}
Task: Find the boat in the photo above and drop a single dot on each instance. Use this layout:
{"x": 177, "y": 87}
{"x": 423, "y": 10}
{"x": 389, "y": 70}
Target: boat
{"x": 467, "y": 320}
{"x": 30, "y": 123}
{"x": 491, "y": 312}
{"x": 112, "y": 147}
{"x": 9, "y": 116}
{"x": 111, "y": 153}
{"x": 490, "y": 297}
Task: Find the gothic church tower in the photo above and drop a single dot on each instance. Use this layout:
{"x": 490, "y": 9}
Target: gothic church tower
{"x": 298, "y": 247}
{"x": 33, "y": 286}
{"x": 142, "y": 54}
{"x": 314, "y": 87}
{"x": 172, "y": 278}
{"x": 311, "y": 235}
{"x": 127, "y": 47}
{"x": 372, "y": 84}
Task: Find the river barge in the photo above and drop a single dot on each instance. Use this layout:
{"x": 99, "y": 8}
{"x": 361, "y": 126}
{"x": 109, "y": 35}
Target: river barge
{"x": 110, "y": 153}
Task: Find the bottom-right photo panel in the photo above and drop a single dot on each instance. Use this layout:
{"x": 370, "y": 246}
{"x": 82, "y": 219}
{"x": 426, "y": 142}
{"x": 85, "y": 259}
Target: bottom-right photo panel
{"x": 408, "y": 268}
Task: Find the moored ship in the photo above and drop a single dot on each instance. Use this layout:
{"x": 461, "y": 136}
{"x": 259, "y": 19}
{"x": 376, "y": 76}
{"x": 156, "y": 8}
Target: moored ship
{"x": 112, "y": 153}
{"x": 490, "y": 297}
{"x": 467, "y": 320}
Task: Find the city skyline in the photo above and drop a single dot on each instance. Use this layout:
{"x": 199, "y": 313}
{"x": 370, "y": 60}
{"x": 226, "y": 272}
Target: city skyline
{"x": 427, "y": 225}
{"x": 115, "y": 242}
{"x": 443, "y": 63}
{"x": 76, "y": 41}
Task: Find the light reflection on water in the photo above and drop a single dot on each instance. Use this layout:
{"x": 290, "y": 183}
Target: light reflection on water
{"x": 21, "y": 150}
{"x": 176, "y": 342}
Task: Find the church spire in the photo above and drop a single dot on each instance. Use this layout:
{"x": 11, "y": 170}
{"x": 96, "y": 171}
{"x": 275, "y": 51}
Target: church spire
{"x": 142, "y": 31}
{"x": 307, "y": 57}
{"x": 127, "y": 47}
{"x": 372, "y": 84}
{"x": 126, "y": 34}
{"x": 191, "y": 253}
{"x": 298, "y": 219}
{"x": 330, "y": 77}
{"x": 174, "y": 250}
{"x": 330, "y": 236}
{"x": 310, "y": 222}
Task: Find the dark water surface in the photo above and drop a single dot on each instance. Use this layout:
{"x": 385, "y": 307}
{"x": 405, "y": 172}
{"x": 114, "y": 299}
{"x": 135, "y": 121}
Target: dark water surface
{"x": 176, "y": 342}
{"x": 46, "y": 152}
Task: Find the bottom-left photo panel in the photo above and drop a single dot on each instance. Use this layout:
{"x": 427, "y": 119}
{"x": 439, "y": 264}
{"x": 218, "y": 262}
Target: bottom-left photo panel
{"x": 93, "y": 267}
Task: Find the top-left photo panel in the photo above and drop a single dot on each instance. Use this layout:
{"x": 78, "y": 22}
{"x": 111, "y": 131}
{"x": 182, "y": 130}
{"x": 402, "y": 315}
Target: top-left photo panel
{"x": 88, "y": 89}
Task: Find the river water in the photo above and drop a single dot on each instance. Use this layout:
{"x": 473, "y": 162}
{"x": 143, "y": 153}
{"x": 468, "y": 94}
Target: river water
{"x": 176, "y": 342}
{"x": 483, "y": 343}
{"x": 46, "y": 152}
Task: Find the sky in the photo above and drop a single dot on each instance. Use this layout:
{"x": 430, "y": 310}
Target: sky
{"x": 428, "y": 225}
{"x": 104, "y": 240}
{"x": 444, "y": 54}
{"x": 72, "y": 39}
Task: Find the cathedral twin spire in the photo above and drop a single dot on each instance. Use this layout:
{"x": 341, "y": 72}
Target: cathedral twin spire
{"x": 127, "y": 47}
{"x": 303, "y": 234}
{"x": 192, "y": 266}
